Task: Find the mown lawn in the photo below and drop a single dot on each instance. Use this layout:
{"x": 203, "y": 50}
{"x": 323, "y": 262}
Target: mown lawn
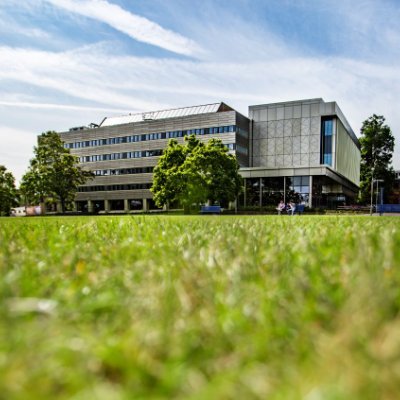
{"x": 200, "y": 307}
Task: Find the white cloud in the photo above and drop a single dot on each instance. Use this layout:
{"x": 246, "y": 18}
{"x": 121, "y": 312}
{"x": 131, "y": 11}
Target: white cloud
{"x": 135, "y": 26}
{"x": 17, "y": 152}
{"x": 110, "y": 82}
{"x": 53, "y": 106}
{"x": 243, "y": 65}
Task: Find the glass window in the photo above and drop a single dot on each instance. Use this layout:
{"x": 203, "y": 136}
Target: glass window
{"x": 326, "y": 141}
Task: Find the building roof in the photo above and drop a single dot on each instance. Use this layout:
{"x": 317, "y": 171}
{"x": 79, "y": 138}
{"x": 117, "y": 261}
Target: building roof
{"x": 164, "y": 114}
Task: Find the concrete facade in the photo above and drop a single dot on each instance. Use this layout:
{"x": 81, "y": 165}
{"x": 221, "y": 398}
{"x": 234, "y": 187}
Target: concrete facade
{"x": 122, "y": 152}
{"x": 304, "y": 148}
{"x": 287, "y": 141}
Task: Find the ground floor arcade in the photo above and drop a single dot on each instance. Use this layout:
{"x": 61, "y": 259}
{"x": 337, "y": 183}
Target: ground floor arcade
{"x": 313, "y": 187}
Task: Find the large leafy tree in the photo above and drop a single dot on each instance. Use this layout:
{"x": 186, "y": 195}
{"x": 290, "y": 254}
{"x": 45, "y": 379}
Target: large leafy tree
{"x": 377, "y": 146}
{"x": 195, "y": 173}
{"x": 8, "y": 191}
{"x": 53, "y": 173}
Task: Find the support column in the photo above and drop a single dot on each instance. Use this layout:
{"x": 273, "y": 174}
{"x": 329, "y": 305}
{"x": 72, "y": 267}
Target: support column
{"x": 284, "y": 189}
{"x": 145, "y": 205}
{"x": 58, "y": 207}
{"x": 126, "y": 205}
{"x": 74, "y": 206}
{"x": 90, "y": 206}
{"x": 244, "y": 193}
{"x": 311, "y": 192}
{"x": 260, "y": 186}
{"x": 106, "y": 206}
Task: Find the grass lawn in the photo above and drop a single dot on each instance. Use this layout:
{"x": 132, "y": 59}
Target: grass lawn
{"x": 200, "y": 307}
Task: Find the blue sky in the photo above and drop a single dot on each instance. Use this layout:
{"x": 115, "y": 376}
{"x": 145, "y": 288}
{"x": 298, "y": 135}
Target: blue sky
{"x": 66, "y": 63}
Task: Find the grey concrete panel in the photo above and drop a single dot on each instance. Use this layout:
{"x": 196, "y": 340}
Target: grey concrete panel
{"x": 287, "y": 127}
{"x": 279, "y": 145}
{"x": 271, "y": 129}
{"x": 279, "y": 161}
{"x": 280, "y": 113}
{"x": 296, "y": 159}
{"x": 296, "y": 144}
{"x": 305, "y": 144}
{"x": 330, "y": 108}
{"x": 305, "y": 110}
{"x": 263, "y": 147}
{"x": 314, "y": 143}
{"x": 297, "y": 111}
{"x": 271, "y": 147}
{"x": 287, "y": 145}
{"x": 256, "y": 148}
{"x": 256, "y": 161}
{"x": 315, "y": 125}
{"x": 289, "y": 112}
{"x": 270, "y": 161}
{"x": 263, "y": 129}
{"x": 287, "y": 160}
{"x": 315, "y": 109}
{"x": 304, "y": 159}
{"x": 305, "y": 126}
{"x": 272, "y": 114}
{"x": 279, "y": 128}
{"x": 296, "y": 127}
{"x": 314, "y": 158}
{"x": 263, "y": 161}
{"x": 264, "y": 115}
{"x": 256, "y": 131}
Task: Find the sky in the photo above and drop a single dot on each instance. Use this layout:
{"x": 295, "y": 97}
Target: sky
{"x": 66, "y": 63}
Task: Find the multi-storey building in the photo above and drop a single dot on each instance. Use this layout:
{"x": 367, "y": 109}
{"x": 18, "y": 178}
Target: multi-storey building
{"x": 301, "y": 150}
{"x": 304, "y": 149}
{"x": 122, "y": 151}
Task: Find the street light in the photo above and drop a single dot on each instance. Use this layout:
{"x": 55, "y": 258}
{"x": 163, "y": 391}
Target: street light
{"x": 372, "y": 177}
{"x": 372, "y": 191}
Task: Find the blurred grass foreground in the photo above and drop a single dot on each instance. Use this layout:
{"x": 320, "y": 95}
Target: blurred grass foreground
{"x": 200, "y": 307}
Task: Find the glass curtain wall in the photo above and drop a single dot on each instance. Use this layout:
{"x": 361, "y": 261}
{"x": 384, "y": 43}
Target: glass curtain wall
{"x": 298, "y": 189}
{"x": 326, "y": 141}
{"x": 272, "y": 190}
{"x": 253, "y": 192}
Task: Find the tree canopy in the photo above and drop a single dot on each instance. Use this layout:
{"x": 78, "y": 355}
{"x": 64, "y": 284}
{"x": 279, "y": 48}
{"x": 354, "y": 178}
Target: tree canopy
{"x": 377, "y": 146}
{"x": 53, "y": 172}
{"x": 8, "y": 191}
{"x": 196, "y": 173}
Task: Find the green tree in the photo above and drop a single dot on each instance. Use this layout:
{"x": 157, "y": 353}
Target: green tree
{"x": 8, "y": 191}
{"x": 53, "y": 173}
{"x": 377, "y": 146}
{"x": 195, "y": 173}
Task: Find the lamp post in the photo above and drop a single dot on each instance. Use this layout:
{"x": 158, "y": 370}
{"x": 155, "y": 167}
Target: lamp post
{"x": 377, "y": 190}
{"x": 372, "y": 177}
{"x": 372, "y": 192}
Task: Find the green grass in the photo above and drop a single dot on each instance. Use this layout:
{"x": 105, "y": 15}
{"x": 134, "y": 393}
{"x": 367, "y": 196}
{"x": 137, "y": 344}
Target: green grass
{"x": 200, "y": 307}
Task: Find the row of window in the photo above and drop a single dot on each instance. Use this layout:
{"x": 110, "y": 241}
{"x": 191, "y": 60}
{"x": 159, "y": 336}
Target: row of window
{"x": 120, "y": 156}
{"x": 123, "y": 171}
{"x": 106, "y": 188}
{"x": 150, "y": 136}
{"x": 131, "y": 154}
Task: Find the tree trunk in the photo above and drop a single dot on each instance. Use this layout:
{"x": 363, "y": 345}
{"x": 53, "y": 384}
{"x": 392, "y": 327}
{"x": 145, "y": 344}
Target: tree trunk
{"x": 42, "y": 206}
{"x": 62, "y": 200}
